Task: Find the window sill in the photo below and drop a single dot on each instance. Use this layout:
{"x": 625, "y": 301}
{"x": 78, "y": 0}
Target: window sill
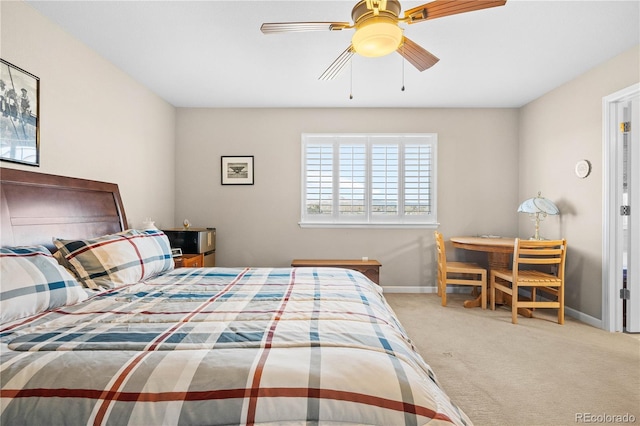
{"x": 369, "y": 225}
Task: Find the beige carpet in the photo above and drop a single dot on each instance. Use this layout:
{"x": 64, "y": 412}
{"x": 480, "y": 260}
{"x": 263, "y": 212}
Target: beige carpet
{"x": 534, "y": 373}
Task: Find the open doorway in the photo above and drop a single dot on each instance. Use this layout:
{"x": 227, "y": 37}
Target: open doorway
{"x": 621, "y": 210}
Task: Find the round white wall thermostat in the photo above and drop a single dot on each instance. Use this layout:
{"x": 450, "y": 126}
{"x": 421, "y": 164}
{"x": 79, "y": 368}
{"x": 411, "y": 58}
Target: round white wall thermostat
{"x": 583, "y": 168}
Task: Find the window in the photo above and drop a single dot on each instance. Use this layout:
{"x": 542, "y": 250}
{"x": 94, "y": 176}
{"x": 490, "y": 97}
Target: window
{"x": 368, "y": 179}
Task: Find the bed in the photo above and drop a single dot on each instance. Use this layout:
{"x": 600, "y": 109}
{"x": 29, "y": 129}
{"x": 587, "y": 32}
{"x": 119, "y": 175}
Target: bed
{"x": 140, "y": 342}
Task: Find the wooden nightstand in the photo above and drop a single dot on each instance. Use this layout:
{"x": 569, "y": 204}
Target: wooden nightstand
{"x": 189, "y": 261}
{"x": 370, "y": 268}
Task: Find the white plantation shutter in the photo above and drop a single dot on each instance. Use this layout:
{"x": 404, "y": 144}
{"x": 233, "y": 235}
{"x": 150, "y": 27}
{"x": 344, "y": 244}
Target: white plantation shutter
{"x": 385, "y": 169}
{"x": 368, "y": 179}
{"x": 352, "y": 160}
{"x": 417, "y": 179}
{"x": 319, "y": 180}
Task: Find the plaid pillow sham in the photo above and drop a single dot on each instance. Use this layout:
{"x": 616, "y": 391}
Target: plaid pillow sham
{"x": 32, "y": 281}
{"x": 117, "y": 259}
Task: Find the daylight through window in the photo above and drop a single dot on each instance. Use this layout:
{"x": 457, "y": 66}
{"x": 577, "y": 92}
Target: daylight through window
{"x": 368, "y": 179}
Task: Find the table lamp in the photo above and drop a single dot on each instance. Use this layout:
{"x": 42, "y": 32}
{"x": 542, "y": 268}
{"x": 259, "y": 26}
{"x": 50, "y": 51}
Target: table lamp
{"x": 538, "y": 208}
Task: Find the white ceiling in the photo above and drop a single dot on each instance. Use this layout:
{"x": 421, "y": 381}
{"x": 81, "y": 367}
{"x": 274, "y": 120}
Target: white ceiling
{"x": 213, "y": 54}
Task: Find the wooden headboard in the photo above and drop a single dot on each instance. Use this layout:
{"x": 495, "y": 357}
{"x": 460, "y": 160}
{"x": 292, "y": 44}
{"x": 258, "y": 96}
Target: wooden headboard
{"x": 37, "y": 207}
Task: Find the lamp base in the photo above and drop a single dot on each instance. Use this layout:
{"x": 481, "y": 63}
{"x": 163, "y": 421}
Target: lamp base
{"x": 536, "y": 235}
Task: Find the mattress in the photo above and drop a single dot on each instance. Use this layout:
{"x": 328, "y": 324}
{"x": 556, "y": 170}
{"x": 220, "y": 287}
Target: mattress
{"x": 222, "y": 346}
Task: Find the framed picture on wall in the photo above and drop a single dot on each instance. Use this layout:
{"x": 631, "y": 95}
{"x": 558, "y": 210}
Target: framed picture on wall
{"x": 237, "y": 170}
{"x": 19, "y": 115}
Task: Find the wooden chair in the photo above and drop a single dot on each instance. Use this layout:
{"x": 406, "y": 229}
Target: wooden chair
{"x": 529, "y": 257}
{"x": 458, "y": 273}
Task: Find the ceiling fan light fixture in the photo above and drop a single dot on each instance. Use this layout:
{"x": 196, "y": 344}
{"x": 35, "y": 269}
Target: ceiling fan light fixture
{"x": 377, "y": 36}
{"x": 376, "y": 5}
{"x": 378, "y": 31}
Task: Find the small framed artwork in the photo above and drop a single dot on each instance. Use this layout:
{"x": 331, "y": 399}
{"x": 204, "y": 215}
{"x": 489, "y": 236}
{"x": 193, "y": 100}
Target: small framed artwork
{"x": 237, "y": 170}
{"x": 19, "y": 115}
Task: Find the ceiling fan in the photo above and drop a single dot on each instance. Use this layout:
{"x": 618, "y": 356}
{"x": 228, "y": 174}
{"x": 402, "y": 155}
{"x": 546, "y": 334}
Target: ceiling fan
{"x": 378, "y": 32}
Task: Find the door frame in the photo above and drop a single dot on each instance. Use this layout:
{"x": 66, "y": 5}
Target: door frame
{"x": 611, "y": 240}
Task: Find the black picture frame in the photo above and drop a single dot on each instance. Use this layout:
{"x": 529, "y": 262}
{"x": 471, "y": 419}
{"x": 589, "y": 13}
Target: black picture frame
{"x": 236, "y": 170}
{"x": 19, "y": 115}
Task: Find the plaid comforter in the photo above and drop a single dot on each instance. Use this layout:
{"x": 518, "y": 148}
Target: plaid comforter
{"x": 222, "y": 346}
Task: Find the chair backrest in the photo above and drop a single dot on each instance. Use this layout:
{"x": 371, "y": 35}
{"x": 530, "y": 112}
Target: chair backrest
{"x": 540, "y": 252}
{"x": 441, "y": 256}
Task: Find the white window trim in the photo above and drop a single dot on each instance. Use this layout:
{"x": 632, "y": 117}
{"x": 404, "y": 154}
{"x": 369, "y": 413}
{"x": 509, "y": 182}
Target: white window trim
{"x": 407, "y": 222}
{"x": 415, "y": 225}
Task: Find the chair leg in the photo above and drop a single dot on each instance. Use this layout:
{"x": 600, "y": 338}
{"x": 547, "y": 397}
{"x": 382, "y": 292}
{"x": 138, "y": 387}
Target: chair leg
{"x": 514, "y": 303}
{"x": 561, "y": 302}
{"x": 443, "y": 292}
{"x": 533, "y": 297}
{"x": 492, "y": 294}
{"x": 483, "y": 289}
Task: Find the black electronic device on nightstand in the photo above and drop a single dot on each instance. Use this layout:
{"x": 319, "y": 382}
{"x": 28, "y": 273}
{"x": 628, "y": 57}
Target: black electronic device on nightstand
{"x": 194, "y": 241}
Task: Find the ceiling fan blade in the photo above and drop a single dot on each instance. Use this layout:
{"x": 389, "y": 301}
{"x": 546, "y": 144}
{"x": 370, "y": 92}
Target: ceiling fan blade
{"x": 440, "y": 8}
{"x": 337, "y": 65}
{"x": 295, "y": 27}
{"x": 418, "y": 56}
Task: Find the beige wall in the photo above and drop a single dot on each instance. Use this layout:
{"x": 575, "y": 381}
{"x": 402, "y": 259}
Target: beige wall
{"x": 556, "y": 131}
{"x": 98, "y": 123}
{"x": 95, "y": 121}
{"x": 258, "y": 225}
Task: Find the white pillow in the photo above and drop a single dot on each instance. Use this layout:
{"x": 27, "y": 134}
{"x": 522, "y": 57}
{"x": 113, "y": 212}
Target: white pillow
{"x": 32, "y": 281}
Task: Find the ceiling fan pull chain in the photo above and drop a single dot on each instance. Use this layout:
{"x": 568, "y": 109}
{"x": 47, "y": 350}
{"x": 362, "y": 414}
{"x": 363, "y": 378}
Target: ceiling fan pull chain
{"x": 351, "y": 80}
{"x": 402, "y": 68}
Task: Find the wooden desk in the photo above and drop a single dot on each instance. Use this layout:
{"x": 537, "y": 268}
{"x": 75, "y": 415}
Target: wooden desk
{"x": 370, "y": 268}
{"x": 499, "y": 252}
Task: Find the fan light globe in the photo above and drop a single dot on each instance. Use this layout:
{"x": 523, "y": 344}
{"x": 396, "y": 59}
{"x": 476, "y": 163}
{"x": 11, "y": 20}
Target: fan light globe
{"x": 377, "y": 37}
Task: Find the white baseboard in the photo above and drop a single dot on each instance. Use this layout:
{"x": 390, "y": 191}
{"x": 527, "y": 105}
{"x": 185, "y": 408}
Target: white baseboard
{"x": 580, "y": 316}
{"x": 422, "y": 290}
{"x": 408, "y": 289}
